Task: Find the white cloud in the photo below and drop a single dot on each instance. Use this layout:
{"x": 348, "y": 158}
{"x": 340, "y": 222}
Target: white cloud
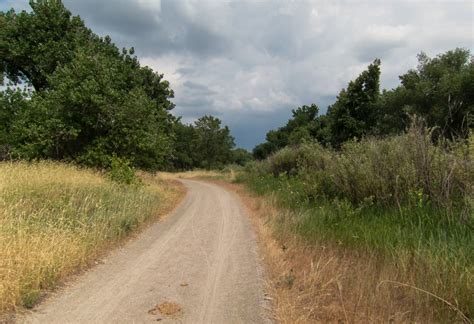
{"x": 167, "y": 65}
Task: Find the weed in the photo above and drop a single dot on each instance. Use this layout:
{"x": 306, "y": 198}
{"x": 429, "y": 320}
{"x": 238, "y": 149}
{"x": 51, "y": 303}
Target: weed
{"x": 121, "y": 171}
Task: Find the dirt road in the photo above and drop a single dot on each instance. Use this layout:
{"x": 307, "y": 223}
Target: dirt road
{"x": 201, "y": 259}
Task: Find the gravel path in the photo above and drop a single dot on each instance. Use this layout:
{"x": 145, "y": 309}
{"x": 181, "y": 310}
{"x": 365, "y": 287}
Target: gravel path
{"x": 198, "y": 265}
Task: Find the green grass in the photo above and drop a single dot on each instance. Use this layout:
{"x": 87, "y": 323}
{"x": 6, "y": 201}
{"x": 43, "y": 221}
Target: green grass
{"x": 430, "y": 252}
{"x": 333, "y": 199}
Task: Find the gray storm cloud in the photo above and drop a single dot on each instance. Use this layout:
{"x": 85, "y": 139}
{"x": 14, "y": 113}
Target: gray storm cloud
{"x": 251, "y": 62}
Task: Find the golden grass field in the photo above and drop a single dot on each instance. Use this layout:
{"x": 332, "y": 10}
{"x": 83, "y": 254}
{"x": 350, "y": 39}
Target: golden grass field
{"x": 55, "y": 219}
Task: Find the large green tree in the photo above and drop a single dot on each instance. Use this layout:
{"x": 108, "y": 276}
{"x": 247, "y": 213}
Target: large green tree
{"x": 353, "y": 115}
{"x": 33, "y": 44}
{"x": 91, "y": 101}
{"x": 440, "y": 89}
{"x": 213, "y": 143}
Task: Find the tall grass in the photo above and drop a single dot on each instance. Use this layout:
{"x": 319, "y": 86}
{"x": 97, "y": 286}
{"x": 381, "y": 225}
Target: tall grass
{"x": 403, "y": 201}
{"x": 55, "y": 218}
{"x": 228, "y": 173}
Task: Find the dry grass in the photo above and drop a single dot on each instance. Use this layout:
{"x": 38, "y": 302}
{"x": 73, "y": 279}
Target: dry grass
{"x": 228, "y": 175}
{"x": 329, "y": 283}
{"x": 188, "y": 174}
{"x": 55, "y": 219}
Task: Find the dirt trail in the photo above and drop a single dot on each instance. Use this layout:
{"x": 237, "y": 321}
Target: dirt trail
{"x": 202, "y": 257}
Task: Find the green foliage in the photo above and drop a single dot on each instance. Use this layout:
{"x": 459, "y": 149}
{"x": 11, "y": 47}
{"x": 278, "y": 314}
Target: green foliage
{"x": 284, "y": 162}
{"x": 402, "y": 198}
{"x": 405, "y": 170}
{"x": 353, "y": 113}
{"x": 213, "y": 143}
{"x": 120, "y": 171}
{"x": 406, "y": 198}
{"x": 205, "y": 145}
{"x": 262, "y": 150}
{"x": 440, "y": 91}
{"x": 91, "y": 102}
{"x": 35, "y": 43}
{"x": 241, "y": 156}
{"x": 12, "y": 103}
{"x": 184, "y": 154}
{"x": 303, "y": 126}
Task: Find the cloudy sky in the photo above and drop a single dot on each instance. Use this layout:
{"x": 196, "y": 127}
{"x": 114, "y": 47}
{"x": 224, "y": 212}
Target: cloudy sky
{"x": 250, "y": 62}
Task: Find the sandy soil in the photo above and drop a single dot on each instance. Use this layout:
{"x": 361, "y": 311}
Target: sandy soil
{"x": 198, "y": 265}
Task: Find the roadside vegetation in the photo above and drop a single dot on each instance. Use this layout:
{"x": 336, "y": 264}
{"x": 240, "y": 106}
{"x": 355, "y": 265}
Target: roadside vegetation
{"x": 439, "y": 90}
{"x": 402, "y": 205}
{"x": 56, "y": 219}
{"x": 373, "y": 202}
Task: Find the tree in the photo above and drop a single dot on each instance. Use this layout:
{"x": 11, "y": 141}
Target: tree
{"x": 35, "y": 43}
{"x": 91, "y": 101}
{"x": 353, "y": 115}
{"x": 12, "y": 103}
{"x": 241, "y": 156}
{"x": 184, "y": 157}
{"x": 303, "y": 125}
{"x": 441, "y": 90}
{"x": 90, "y": 114}
{"x": 304, "y": 116}
{"x": 393, "y": 115}
{"x": 299, "y": 136}
{"x": 213, "y": 144}
{"x": 262, "y": 151}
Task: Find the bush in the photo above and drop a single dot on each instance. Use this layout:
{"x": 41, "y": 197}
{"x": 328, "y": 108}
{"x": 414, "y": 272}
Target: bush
{"x": 406, "y": 170}
{"x": 285, "y": 161}
{"x": 120, "y": 171}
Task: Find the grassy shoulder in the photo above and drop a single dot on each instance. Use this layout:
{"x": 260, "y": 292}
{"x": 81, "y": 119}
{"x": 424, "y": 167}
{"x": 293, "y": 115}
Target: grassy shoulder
{"x": 384, "y": 228}
{"x": 329, "y": 260}
{"x": 376, "y": 263}
{"x": 55, "y": 219}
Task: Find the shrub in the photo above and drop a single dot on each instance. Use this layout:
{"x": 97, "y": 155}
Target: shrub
{"x": 120, "y": 171}
{"x": 405, "y": 170}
